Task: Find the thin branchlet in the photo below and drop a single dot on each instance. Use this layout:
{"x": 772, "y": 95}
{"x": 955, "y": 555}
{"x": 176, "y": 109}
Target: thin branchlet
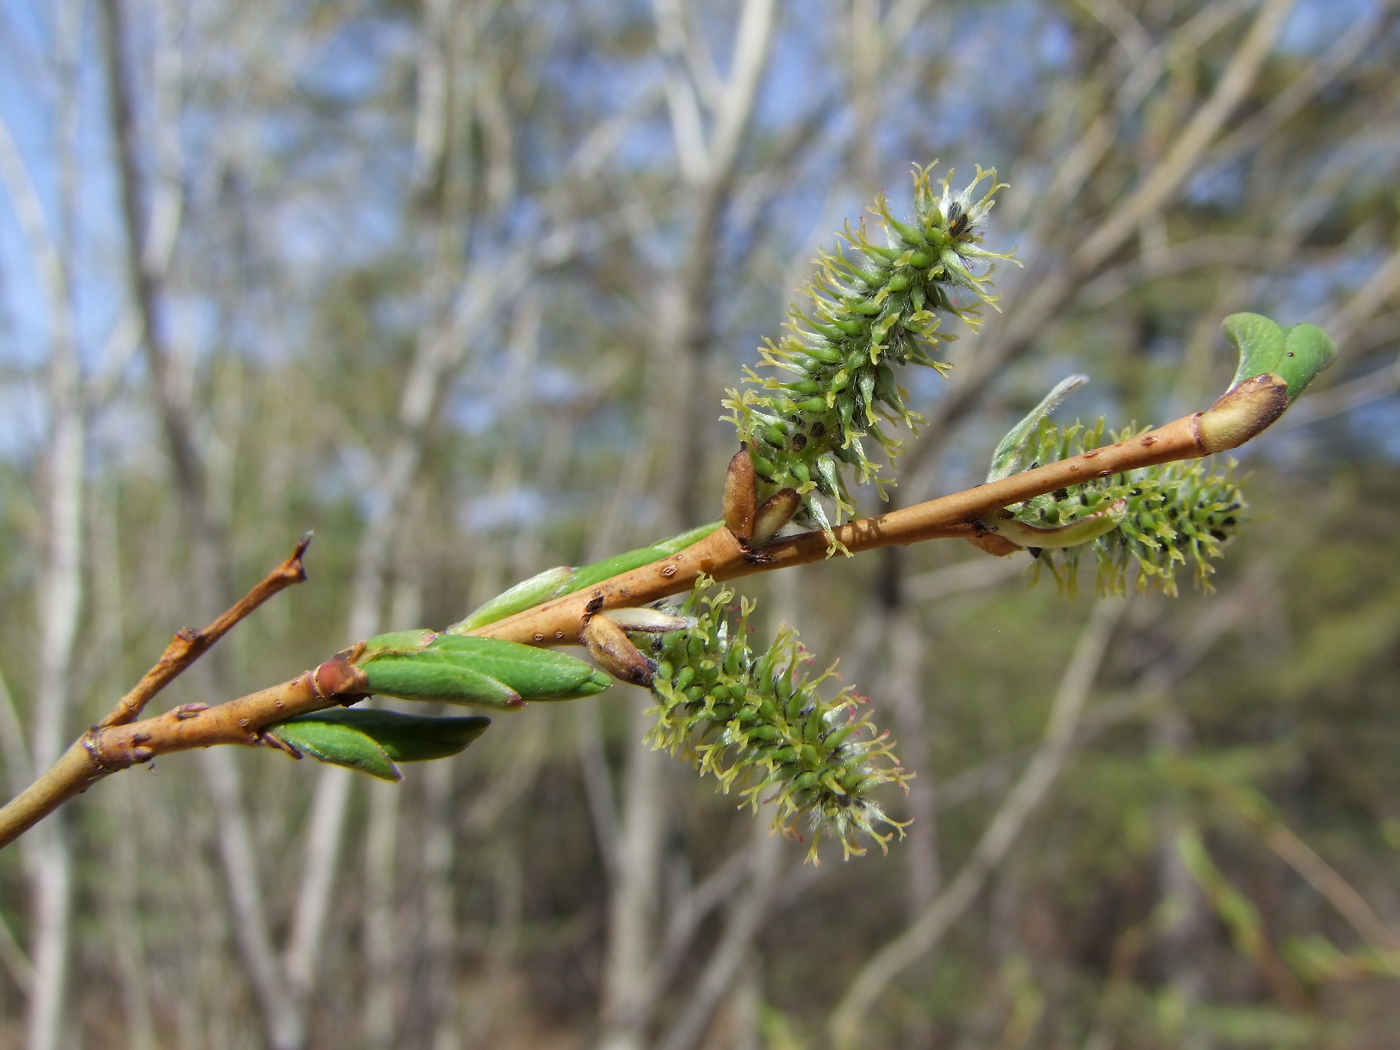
{"x": 757, "y": 722}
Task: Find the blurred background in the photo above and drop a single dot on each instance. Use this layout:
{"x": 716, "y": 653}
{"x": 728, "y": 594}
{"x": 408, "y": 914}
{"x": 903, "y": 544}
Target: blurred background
{"x": 459, "y": 284}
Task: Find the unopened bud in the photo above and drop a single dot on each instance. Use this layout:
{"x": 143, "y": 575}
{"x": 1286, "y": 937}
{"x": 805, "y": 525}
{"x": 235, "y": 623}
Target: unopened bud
{"x": 613, "y": 651}
{"x": 1242, "y": 412}
{"x": 650, "y": 621}
{"x": 740, "y": 499}
{"x": 776, "y": 512}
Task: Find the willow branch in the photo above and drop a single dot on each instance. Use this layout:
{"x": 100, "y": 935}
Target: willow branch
{"x": 189, "y": 645}
{"x": 722, "y": 556}
{"x": 118, "y": 743}
{"x": 104, "y": 750}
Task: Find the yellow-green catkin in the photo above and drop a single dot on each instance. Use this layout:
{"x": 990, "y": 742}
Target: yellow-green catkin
{"x": 875, "y": 304}
{"x": 757, "y": 722}
{"x": 1178, "y": 513}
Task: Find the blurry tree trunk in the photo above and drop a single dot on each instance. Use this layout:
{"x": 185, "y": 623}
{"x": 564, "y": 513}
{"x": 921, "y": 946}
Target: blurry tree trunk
{"x": 48, "y": 859}
{"x": 635, "y": 893}
{"x": 903, "y": 689}
{"x": 207, "y": 590}
{"x": 49, "y": 862}
{"x": 708, "y": 166}
{"x": 1183, "y": 944}
{"x": 1005, "y": 828}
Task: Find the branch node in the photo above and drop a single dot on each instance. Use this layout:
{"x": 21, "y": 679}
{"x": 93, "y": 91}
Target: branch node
{"x": 94, "y": 751}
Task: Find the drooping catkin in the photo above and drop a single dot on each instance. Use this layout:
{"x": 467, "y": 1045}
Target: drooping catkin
{"x": 1176, "y": 512}
{"x": 757, "y": 722}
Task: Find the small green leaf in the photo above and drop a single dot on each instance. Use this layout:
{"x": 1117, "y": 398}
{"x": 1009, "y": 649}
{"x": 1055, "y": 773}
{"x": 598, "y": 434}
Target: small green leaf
{"x": 524, "y": 595}
{"x": 1007, "y": 459}
{"x": 534, "y": 673}
{"x": 681, "y": 541}
{"x": 598, "y": 571}
{"x": 433, "y": 676}
{"x": 1260, "y": 343}
{"x": 557, "y": 582}
{"x": 402, "y": 737}
{"x": 1084, "y": 530}
{"x": 337, "y": 743}
{"x": 1307, "y": 350}
{"x": 485, "y": 672}
{"x": 399, "y": 643}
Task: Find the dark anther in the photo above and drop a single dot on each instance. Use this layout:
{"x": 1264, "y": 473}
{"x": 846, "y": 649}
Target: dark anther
{"x": 957, "y": 219}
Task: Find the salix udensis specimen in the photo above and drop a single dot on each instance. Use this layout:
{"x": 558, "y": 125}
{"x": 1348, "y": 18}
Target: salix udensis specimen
{"x": 751, "y": 716}
{"x": 1141, "y": 508}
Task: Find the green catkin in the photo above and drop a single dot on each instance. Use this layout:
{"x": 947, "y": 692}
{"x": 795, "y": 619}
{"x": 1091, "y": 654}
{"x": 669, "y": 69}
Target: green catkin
{"x": 760, "y": 725}
{"x": 1177, "y": 512}
{"x": 828, "y": 382}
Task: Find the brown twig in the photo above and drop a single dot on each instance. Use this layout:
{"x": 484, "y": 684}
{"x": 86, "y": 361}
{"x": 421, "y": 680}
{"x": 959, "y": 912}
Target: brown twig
{"x": 117, "y": 742}
{"x": 721, "y": 556}
{"x": 106, "y": 749}
{"x": 189, "y": 645}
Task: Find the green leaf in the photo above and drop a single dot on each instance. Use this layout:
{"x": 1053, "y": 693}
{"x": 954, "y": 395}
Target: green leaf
{"x": 598, "y": 571}
{"x": 485, "y": 672}
{"x": 1296, "y": 354}
{"x": 1259, "y": 342}
{"x": 524, "y": 595}
{"x": 1007, "y": 459}
{"x": 557, "y": 582}
{"x": 402, "y": 737}
{"x": 534, "y": 673}
{"x": 681, "y": 541}
{"x": 1307, "y": 350}
{"x": 1084, "y": 530}
{"x": 400, "y": 643}
{"x": 337, "y": 743}
{"x": 433, "y": 676}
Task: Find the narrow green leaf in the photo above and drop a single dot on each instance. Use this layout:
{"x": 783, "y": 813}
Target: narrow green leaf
{"x": 485, "y": 672}
{"x": 1007, "y": 459}
{"x": 1259, "y": 342}
{"x": 339, "y": 744}
{"x": 1307, "y": 350}
{"x": 435, "y": 676}
{"x": 524, "y": 595}
{"x": 402, "y": 737}
{"x": 598, "y": 571}
{"x": 400, "y": 643}
{"x": 681, "y": 541}
{"x": 1075, "y": 534}
{"x": 534, "y": 673}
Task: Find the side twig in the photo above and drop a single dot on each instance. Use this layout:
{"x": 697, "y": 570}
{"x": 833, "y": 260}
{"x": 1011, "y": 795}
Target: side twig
{"x": 117, "y": 742}
{"x": 721, "y": 556}
{"x": 189, "y": 645}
